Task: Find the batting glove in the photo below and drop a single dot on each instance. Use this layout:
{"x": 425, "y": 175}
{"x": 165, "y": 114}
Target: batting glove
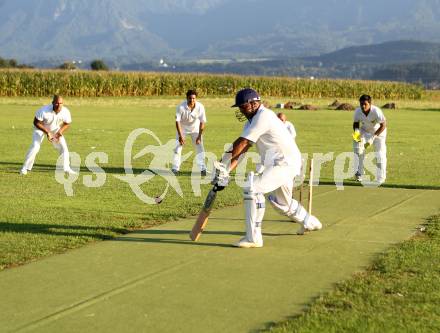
{"x": 221, "y": 176}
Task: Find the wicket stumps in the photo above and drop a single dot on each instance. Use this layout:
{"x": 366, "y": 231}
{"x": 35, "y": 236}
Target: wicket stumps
{"x": 307, "y": 190}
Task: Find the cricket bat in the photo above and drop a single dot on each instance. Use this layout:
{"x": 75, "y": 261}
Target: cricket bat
{"x": 202, "y": 219}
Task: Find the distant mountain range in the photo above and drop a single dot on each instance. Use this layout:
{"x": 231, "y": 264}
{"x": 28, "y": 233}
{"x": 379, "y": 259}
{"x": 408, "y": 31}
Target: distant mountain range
{"x": 410, "y": 61}
{"x": 394, "y": 52}
{"x": 136, "y": 31}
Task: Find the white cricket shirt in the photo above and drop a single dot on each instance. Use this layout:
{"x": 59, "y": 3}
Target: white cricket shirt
{"x": 371, "y": 122}
{"x": 52, "y": 121}
{"x": 190, "y": 119}
{"x": 273, "y": 140}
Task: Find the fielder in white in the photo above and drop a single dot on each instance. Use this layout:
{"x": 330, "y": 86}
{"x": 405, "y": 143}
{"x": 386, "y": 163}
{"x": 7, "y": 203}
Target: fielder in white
{"x": 52, "y": 121}
{"x": 288, "y": 124}
{"x": 282, "y": 162}
{"x": 190, "y": 120}
{"x": 370, "y": 128}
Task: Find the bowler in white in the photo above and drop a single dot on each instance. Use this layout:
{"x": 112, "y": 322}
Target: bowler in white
{"x": 50, "y": 121}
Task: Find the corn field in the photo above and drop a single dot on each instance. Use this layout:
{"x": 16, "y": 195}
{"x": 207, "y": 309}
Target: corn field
{"x": 99, "y": 84}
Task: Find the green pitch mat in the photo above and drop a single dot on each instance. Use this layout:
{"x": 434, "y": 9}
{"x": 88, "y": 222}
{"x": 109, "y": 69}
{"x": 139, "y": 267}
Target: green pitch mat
{"x": 157, "y": 280}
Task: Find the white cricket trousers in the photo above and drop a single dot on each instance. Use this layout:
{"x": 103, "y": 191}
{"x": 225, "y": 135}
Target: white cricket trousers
{"x": 277, "y": 180}
{"x": 37, "y": 139}
{"x": 380, "y": 149}
{"x": 200, "y": 151}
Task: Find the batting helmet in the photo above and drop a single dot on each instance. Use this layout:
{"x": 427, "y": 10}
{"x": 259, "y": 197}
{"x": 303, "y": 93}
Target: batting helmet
{"x": 246, "y": 95}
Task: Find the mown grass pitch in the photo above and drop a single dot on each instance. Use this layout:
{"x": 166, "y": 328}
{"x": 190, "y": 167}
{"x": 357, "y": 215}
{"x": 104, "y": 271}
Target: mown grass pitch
{"x": 38, "y": 219}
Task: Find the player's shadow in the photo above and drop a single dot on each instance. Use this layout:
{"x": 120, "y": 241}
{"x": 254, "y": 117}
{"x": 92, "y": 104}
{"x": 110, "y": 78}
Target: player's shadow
{"x": 165, "y": 237}
{"x": 60, "y": 230}
{"x": 15, "y": 167}
{"x": 242, "y": 219}
{"x": 349, "y": 182}
{"x": 157, "y": 236}
{"x": 45, "y": 168}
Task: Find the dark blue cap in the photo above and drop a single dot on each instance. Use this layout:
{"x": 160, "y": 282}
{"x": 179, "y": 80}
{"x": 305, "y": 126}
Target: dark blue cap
{"x": 245, "y": 95}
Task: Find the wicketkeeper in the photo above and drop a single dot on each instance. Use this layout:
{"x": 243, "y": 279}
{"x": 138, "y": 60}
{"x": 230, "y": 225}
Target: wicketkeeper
{"x": 370, "y": 129}
{"x": 282, "y": 162}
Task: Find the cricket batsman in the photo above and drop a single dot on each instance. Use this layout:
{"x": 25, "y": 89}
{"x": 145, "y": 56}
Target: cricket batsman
{"x": 370, "y": 129}
{"x": 282, "y": 162}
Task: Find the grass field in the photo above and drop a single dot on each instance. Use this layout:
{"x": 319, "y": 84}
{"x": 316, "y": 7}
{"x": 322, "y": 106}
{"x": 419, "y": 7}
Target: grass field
{"x": 399, "y": 292}
{"x": 39, "y": 219}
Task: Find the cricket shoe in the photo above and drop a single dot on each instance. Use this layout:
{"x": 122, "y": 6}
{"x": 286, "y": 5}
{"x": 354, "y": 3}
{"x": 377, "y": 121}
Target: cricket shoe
{"x": 311, "y": 223}
{"x": 175, "y": 171}
{"x": 380, "y": 181}
{"x": 23, "y": 171}
{"x": 358, "y": 177}
{"x": 244, "y": 243}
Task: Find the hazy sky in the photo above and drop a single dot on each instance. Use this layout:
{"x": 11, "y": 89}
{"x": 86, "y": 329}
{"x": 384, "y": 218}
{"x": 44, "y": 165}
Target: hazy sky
{"x": 207, "y": 28}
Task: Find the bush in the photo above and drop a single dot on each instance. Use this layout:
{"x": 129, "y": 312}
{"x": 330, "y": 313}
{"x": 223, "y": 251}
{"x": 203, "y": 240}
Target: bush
{"x": 67, "y": 66}
{"x": 98, "y": 65}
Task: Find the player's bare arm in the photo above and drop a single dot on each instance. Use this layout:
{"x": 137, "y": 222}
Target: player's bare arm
{"x": 355, "y": 125}
{"x": 179, "y": 133}
{"x": 39, "y": 124}
{"x": 381, "y": 128}
{"x": 239, "y": 147}
{"x": 63, "y": 128}
{"x": 201, "y": 129}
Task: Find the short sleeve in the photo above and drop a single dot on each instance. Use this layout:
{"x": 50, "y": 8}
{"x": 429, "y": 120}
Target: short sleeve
{"x": 40, "y": 114}
{"x": 380, "y": 116}
{"x": 357, "y": 115}
{"x": 67, "y": 118}
{"x": 178, "y": 113}
{"x": 202, "y": 115}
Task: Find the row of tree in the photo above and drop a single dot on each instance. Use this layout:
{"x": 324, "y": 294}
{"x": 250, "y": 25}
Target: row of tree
{"x": 96, "y": 65}
{"x": 427, "y": 74}
{"x": 11, "y": 63}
